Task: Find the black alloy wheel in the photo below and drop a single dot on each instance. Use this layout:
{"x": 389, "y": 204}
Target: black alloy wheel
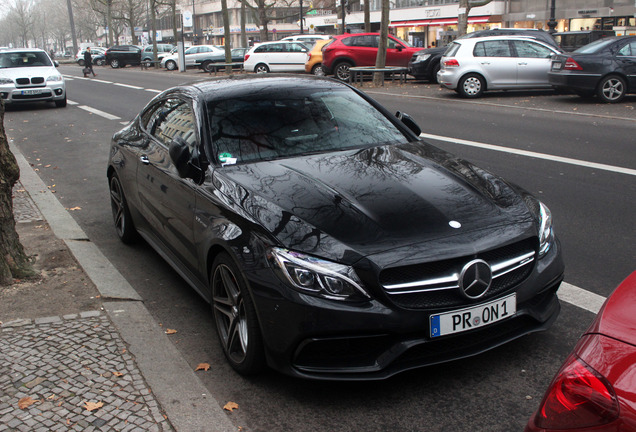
{"x": 121, "y": 214}
{"x": 235, "y": 317}
{"x": 611, "y": 89}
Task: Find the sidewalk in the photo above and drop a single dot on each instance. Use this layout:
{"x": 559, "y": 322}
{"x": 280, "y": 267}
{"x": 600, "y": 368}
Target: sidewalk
{"x": 110, "y": 367}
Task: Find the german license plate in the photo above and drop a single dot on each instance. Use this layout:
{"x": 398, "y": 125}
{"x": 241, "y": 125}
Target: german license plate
{"x": 474, "y": 317}
{"x": 31, "y": 92}
{"x": 556, "y": 66}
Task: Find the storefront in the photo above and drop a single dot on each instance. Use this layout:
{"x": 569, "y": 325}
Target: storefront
{"x": 440, "y": 31}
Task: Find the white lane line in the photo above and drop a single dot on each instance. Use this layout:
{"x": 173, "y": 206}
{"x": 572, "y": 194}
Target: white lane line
{"x": 99, "y": 113}
{"x": 101, "y": 81}
{"x": 128, "y": 86}
{"x": 535, "y": 155}
{"x": 579, "y": 297}
{"x": 70, "y": 102}
{"x": 153, "y": 90}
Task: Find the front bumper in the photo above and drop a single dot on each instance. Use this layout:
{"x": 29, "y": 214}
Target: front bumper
{"x": 314, "y": 338}
{"x": 52, "y": 92}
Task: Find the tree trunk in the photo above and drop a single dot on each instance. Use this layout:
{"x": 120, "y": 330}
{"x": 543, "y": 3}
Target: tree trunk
{"x": 14, "y": 263}
{"x": 380, "y": 60}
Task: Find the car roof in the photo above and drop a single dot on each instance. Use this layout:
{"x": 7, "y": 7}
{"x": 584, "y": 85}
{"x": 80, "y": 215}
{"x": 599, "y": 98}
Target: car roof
{"x": 23, "y": 50}
{"x": 498, "y": 37}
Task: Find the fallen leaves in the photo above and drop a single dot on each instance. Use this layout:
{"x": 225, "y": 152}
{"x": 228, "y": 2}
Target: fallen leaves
{"x": 74, "y": 208}
{"x": 170, "y": 331}
{"x": 25, "y": 402}
{"x": 92, "y": 406}
{"x": 230, "y": 406}
{"x": 118, "y": 374}
{"x": 203, "y": 367}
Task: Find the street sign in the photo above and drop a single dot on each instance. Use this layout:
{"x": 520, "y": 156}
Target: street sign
{"x": 187, "y": 19}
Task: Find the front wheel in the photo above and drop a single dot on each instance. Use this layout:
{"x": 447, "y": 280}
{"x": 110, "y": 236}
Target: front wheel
{"x": 235, "y": 317}
{"x": 99, "y": 62}
{"x": 60, "y": 103}
{"x": 611, "y": 89}
{"x": 261, "y": 68}
{"x": 342, "y": 71}
{"x": 114, "y": 63}
{"x": 121, "y": 214}
{"x": 80, "y": 62}
{"x": 207, "y": 66}
{"x": 171, "y": 65}
{"x": 471, "y": 86}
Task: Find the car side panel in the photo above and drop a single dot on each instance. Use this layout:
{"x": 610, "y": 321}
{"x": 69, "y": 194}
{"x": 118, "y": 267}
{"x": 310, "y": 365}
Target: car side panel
{"x": 533, "y": 72}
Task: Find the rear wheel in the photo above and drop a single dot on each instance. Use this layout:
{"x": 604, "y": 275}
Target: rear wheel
{"x": 341, "y": 71}
{"x": 261, "y": 68}
{"x": 611, "y": 89}
{"x": 318, "y": 70}
{"x": 114, "y": 63}
{"x": 171, "y": 65}
{"x": 235, "y": 316}
{"x": 207, "y": 66}
{"x": 80, "y": 62}
{"x": 471, "y": 86}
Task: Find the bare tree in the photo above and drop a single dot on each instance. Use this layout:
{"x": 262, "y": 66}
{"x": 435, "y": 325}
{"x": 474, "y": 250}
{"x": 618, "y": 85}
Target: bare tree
{"x": 264, "y": 12}
{"x": 21, "y": 15}
{"x": 14, "y": 262}
{"x": 464, "y": 9}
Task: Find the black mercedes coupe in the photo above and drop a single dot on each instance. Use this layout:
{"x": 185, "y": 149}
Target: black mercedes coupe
{"x": 331, "y": 242}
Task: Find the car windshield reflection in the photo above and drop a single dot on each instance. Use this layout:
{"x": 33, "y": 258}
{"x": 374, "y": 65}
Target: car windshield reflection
{"x": 271, "y": 125}
{"x": 24, "y": 59}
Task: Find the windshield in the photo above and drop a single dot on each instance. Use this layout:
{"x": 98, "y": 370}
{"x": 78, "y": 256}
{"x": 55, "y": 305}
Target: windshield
{"x": 595, "y": 46}
{"x": 286, "y": 124}
{"x": 24, "y": 59}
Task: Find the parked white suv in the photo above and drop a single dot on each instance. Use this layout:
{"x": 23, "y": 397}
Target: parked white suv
{"x": 29, "y": 75}
{"x": 473, "y": 65}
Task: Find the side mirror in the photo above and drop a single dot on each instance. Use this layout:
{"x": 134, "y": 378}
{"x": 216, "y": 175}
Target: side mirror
{"x": 409, "y": 122}
{"x": 187, "y": 165}
{"x": 56, "y": 63}
{"x": 399, "y": 47}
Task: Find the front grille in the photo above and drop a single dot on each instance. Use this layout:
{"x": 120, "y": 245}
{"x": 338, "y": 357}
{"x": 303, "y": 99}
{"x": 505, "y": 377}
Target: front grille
{"x": 32, "y": 81}
{"x": 436, "y": 284}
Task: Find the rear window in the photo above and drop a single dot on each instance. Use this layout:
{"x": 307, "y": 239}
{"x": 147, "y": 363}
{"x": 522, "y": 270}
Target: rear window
{"x": 595, "y": 46}
{"x": 452, "y": 49}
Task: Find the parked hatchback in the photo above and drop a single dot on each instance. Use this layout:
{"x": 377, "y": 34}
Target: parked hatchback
{"x": 606, "y": 68}
{"x": 147, "y": 55}
{"x": 314, "y": 62}
{"x": 361, "y": 49}
{"x": 474, "y": 65}
{"x": 279, "y": 56}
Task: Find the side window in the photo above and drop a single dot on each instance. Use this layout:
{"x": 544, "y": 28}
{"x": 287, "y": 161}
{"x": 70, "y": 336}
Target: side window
{"x": 391, "y": 44}
{"x": 260, "y": 48}
{"x": 531, "y": 50}
{"x": 496, "y": 48}
{"x": 349, "y": 41}
{"x": 628, "y": 50}
{"x": 174, "y": 119}
{"x": 295, "y": 47}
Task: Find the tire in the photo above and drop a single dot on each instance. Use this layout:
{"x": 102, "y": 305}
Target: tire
{"x": 207, "y": 66}
{"x": 115, "y": 63}
{"x": 235, "y": 317}
{"x": 318, "y": 70}
{"x": 261, "y": 68}
{"x": 341, "y": 71}
{"x": 61, "y": 103}
{"x": 611, "y": 89}
{"x": 99, "y": 62}
{"x": 171, "y": 65}
{"x": 80, "y": 62}
{"x": 121, "y": 214}
{"x": 471, "y": 86}
{"x": 147, "y": 64}
{"x": 434, "y": 73}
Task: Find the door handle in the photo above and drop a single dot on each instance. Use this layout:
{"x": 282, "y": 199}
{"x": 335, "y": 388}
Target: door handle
{"x": 523, "y": 64}
{"x": 144, "y": 160}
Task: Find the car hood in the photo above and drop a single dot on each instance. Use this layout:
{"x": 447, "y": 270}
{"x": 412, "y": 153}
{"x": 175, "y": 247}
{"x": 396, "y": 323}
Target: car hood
{"x": 388, "y": 200}
{"x": 616, "y": 318}
{"x": 28, "y": 72}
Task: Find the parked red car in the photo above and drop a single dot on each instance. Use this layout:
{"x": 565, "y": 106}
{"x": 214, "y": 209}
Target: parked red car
{"x": 361, "y": 49}
{"x": 595, "y": 389}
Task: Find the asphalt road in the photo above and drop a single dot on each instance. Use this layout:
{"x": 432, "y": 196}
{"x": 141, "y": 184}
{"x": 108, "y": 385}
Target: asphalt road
{"x": 593, "y": 208}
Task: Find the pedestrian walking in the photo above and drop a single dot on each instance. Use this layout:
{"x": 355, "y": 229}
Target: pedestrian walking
{"x": 88, "y": 63}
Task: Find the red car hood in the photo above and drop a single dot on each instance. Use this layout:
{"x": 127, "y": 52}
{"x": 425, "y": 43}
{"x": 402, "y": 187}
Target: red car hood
{"x": 617, "y": 317}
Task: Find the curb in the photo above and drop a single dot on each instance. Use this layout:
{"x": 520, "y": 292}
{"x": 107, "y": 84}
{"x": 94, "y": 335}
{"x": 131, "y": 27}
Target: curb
{"x": 182, "y": 396}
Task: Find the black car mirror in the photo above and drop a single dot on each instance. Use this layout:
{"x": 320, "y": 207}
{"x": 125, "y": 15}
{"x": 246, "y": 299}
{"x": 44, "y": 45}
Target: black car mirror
{"x": 409, "y": 122}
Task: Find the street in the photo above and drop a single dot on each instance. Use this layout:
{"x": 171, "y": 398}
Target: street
{"x": 576, "y": 155}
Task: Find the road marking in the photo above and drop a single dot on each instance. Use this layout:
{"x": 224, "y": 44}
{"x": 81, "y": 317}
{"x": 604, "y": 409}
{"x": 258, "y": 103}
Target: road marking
{"x": 579, "y": 297}
{"x": 535, "y": 155}
{"x": 101, "y": 81}
{"x": 70, "y": 102}
{"x": 99, "y": 113}
{"x": 128, "y": 86}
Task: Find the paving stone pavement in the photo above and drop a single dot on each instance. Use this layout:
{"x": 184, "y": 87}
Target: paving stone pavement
{"x": 70, "y": 373}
